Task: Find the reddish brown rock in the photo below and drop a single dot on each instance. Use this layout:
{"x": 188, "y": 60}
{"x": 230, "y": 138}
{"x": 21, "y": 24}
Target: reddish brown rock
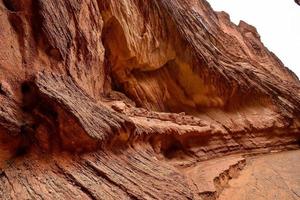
{"x": 104, "y": 99}
{"x": 274, "y": 176}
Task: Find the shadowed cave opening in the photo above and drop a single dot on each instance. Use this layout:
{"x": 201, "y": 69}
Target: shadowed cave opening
{"x": 172, "y": 148}
{"x": 173, "y": 87}
{"x": 32, "y": 100}
{"x": 176, "y": 86}
{"x": 2, "y": 90}
{"x": 119, "y": 66}
{"x": 41, "y": 128}
{"x": 9, "y": 4}
{"x": 29, "y": 98}
{"x": 112, "y": 37}
{"x": 49, "y": 128}
{"x": 25, "y": 88}
{"x": 298, "y": 142}
{"x": 27, "y": 134}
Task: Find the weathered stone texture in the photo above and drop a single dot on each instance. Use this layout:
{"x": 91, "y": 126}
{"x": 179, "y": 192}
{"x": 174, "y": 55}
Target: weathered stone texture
{"x": 124, "y": 99}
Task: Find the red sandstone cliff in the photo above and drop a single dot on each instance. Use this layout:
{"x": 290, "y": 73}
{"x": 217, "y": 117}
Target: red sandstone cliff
{"x": 106, "y": 99}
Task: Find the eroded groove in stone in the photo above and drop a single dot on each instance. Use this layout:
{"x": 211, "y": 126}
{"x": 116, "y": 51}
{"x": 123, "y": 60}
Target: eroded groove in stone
{"x": 83, "y": 122}
{"x": 128, "y": 99}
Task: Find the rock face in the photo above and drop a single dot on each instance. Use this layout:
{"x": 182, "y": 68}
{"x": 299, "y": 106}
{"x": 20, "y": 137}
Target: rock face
{"x": 105, "y": 99}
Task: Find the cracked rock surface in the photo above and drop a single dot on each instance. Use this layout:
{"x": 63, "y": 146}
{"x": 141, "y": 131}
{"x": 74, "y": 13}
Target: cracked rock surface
{"x": 136, "y": 99}
{"x": 267, "y": 177}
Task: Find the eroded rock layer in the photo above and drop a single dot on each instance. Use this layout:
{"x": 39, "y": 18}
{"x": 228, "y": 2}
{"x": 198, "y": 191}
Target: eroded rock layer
{"x": 105, "y": 99}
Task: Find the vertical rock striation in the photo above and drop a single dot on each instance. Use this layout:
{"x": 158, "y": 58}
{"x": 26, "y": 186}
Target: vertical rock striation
{"x": 105, "y": 99}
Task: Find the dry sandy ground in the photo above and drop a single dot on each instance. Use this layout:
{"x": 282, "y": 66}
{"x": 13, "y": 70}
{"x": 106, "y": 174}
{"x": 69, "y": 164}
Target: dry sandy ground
{"x": 267, "y": 177}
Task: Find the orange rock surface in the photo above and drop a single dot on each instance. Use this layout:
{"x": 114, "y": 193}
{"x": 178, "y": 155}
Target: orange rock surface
{"x": 107, "y": 99}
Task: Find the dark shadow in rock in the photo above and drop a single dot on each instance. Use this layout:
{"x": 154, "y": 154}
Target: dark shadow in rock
{"x": 30, "y": 99}
{"x": 9, "y": 4}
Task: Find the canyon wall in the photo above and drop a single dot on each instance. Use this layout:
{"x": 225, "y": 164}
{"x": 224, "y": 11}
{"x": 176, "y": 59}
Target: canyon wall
{"x": 105, "y": 99}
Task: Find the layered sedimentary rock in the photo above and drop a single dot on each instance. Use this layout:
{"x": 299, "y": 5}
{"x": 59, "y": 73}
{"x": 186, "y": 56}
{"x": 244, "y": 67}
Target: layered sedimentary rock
{"x": 104, "y": 99}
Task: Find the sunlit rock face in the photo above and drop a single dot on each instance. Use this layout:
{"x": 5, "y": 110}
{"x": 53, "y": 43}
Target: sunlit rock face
{"x": 106, "y": 99}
